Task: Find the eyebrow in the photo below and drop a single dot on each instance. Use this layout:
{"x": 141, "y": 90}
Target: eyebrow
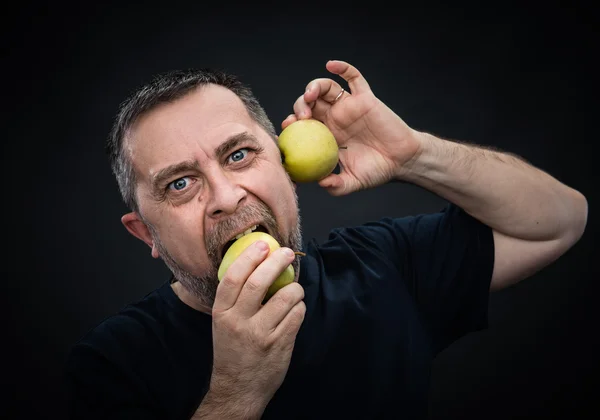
{"x": 170, "y": 171}
{"x": 191, "y": 165}
{"x": 235, "y": 141}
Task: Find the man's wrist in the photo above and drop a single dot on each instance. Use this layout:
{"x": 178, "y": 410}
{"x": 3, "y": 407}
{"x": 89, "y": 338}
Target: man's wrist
{"x": 411, "y": 171}
{"x": 220, "y": 402}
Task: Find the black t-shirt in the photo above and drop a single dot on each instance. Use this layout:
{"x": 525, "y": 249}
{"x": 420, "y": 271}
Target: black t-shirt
{"x": 382, "y": 299}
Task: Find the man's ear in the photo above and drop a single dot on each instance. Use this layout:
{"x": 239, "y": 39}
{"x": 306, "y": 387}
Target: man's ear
{"x": 134, "y": 225}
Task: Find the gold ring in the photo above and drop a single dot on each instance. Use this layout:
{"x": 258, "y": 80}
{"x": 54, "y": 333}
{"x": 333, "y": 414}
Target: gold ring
{"x": 339, "y": 96}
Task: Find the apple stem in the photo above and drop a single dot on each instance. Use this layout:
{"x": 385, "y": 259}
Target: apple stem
{"x": 302, "y": 254}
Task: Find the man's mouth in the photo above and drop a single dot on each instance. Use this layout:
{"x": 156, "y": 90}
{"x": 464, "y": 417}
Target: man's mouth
{"x": 253, "y": 228}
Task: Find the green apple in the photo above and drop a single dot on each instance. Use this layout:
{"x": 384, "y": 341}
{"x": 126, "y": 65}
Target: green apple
{"x": 234, "y": 251}
{"x": 309, "y": 149}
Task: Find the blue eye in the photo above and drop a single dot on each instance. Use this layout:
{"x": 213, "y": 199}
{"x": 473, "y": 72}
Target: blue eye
{"x": 179, "y": 184}
{"x": 238, "y": 155}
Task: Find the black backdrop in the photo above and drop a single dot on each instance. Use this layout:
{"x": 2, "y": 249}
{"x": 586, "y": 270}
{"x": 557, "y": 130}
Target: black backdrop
{"x": 513, "y": 77}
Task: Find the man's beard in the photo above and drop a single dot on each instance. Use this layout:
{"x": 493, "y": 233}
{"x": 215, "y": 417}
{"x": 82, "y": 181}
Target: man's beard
{"x": 204, "y": 286}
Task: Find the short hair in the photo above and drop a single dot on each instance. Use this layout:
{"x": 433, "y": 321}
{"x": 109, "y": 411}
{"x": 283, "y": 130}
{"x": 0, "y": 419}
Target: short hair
{"x": 165, "y": 88}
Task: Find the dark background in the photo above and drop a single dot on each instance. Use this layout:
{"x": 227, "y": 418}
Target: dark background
{"x": 515, "y": 77}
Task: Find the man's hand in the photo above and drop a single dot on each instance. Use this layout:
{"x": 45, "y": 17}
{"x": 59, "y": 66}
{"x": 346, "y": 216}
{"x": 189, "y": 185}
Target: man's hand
{"x": 377, "y": 143}
{"x": 534, "y": 217}
{"x": 252, "y": 342}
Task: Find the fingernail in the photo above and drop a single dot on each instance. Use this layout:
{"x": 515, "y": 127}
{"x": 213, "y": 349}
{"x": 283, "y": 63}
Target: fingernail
{"x": 288, "y": 252}
{"x": 261, "y": 245}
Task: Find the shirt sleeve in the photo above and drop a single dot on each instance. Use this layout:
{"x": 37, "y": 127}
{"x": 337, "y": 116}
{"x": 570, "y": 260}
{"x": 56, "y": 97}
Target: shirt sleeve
{"x": 446, "y": 261}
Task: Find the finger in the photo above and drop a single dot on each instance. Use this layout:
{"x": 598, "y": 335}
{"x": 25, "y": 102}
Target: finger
{"x": 231, "y": 284}
{"x": 338, "y": 184}
{"x": 356, "y": 81}
{"x": 320, "y": 109}
{"x": 292, "y": 322}
{"x": 302, "y": 109}
{"x": 325, "y": 89}
{"x": 289, "y": 119}
{"x": 254, "y": 290}
{"x": 277, "y": 308}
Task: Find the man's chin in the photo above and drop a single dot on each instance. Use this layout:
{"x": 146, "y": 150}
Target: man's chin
{"x": 203, "y": 288}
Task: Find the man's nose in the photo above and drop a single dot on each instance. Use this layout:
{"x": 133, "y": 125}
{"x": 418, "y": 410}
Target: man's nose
{"x": 226, "y": 194}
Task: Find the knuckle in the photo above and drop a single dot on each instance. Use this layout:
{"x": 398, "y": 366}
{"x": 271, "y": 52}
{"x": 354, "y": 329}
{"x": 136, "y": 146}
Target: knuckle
{"x": 296, "y": 319}
{"x": 229, "y": 281}
{"x": 248, "y": 258}
{"x": 253, "y": 286}
{"x": 291, "y": 294}
{"x": 266, "y": 343}
{"x": 260, "y": 340}
{"x": 284, "y": 298}
{"x": 227, "y": 324}
{"x": 301, "y": 308}
{"x": 300, "y": 290}
{"x": 281, "y": 303}
{"x": 299, "y": 312}
{"x": 296, "y": 290}
{"x": 235, "y": 328}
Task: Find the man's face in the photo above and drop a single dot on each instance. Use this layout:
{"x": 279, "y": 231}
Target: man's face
{"x": 207, "y": 172}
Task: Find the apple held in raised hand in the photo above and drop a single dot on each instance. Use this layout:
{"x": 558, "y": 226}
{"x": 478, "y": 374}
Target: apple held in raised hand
{"x": 234, "y": 251}
{"x": 309, "y": 150}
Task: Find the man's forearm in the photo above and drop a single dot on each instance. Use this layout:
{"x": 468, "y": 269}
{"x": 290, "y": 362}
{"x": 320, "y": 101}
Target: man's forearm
{"x": 500, "y": 189}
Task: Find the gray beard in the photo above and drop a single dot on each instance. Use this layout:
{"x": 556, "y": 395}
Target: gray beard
{"x": 204, "y": 286}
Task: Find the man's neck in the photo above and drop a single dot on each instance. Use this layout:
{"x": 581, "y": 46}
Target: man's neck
{"x": 189, "y": 299}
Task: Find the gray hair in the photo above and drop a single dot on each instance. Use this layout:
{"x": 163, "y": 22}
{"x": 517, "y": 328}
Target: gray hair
{"x": 165, "y": 88}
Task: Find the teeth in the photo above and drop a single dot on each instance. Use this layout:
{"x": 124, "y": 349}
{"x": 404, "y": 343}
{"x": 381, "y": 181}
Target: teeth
{"x": 246, "y": 232}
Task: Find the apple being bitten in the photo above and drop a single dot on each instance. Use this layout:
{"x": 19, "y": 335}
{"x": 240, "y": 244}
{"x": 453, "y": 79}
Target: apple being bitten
{"x": 309, "y": 150}
{"x": 234, "y": 251}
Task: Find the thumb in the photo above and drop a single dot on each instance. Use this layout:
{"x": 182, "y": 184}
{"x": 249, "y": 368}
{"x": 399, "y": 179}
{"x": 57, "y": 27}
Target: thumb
{"x": 338, "y": 184}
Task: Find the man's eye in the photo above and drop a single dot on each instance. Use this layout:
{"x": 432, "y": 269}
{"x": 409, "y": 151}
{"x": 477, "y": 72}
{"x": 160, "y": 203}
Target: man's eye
{"x": 238, "y": 155}
{"x": 179, "y": 184}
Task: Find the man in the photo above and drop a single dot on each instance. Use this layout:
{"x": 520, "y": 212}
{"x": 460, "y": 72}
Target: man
{"x": 197, "y": 162}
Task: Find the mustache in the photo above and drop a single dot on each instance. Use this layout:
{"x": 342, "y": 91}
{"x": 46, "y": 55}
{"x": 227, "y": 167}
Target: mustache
{"x": 225, "y": 229}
